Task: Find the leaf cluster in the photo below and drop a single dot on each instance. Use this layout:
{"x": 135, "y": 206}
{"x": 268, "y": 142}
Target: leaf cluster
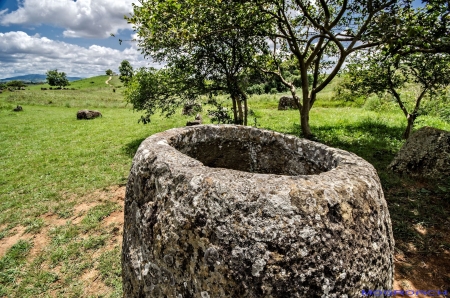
{"x": 15, "y": 83}
{"x": 421, "y": 29}
{"x": 376, "y": 72}
{"x": 55, "y": 78}
{"x": 126, "y": 72}
{"x": 166, "y": 89}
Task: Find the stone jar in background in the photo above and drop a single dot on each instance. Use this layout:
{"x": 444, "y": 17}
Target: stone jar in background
{"x": 234, "y": 211}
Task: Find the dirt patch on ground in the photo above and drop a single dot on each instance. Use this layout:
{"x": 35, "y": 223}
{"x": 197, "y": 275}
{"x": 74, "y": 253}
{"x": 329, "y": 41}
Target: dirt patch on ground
{"x": 81, "y": 210}
{"x": 417, "y": 270}
{"x": 18, "y": 233}
{"x": 52, "y": 219}
{"x": 40, "y": 240}
{"x": 94, "y": 284}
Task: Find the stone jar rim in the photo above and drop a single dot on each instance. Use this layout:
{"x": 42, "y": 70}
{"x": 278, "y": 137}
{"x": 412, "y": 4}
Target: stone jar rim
{"x": 345, "y": 164}
{"x": 163, "y": 146}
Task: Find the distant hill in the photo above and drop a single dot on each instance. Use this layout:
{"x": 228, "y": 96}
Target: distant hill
{"x": 34, "y": 78}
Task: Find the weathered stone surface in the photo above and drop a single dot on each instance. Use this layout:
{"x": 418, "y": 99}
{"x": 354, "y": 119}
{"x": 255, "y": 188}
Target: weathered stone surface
{"x": 18, "y": 109}
{"x": 425, "y": 154}
{"x": 88, "y": 114}
{"x": 287, "y": 103}
{"x": 233, "y": 211}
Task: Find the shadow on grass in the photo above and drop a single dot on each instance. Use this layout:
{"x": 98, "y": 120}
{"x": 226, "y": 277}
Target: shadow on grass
{"x": 130, "y": 148}
{"x": 371, "y": 139}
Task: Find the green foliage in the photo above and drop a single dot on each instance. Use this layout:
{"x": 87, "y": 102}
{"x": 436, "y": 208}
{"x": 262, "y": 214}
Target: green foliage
{"x": 219, "y": 114}
{"x": 256, "y": 89}
{"x": 166, "y": 90}
{"x": 109, "y": 72}
{"x": 420, "y": 29}
{"x": 197, "y": 39}
{"x": 55, "y": 78}
{"x": 378, "y": 73}
{"x": 16, "y": 84}
{"x": 126, "y": 72}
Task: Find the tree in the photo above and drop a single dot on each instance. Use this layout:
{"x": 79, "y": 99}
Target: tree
{"x": 55, "y": 78}
{"x": 376, "y": 72}
{"x": 418, "y": 30}
{"x": 15, "y": 83}
{"x": 109, "y": 72}
{"x": 166, "y": 89}
{"x": 126, "y": 72}
{"x": 320, "y": 36}
{"x": 219, "y": 60}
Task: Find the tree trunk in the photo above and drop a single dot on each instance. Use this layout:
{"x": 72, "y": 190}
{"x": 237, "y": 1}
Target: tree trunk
{"x": 304, "y": 121}
{"x": 240, "y": 113}
{"x": 234, "y": 109}
{"x": 410, "y": 118}
{"x": 243, "y": 96}
{"x": 304, "y": 108}
{"x": 245, "y": 109}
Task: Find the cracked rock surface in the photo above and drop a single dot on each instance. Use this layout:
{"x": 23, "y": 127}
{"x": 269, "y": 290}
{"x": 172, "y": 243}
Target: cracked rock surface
{"x": 234, "y": 211}
{"x": 426, "y": 154}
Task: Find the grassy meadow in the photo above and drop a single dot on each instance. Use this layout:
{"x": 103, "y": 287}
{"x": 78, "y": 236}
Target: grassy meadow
{"x": 62, "y": 184}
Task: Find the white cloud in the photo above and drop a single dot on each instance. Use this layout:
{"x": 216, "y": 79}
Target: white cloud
{"x": 83, "y": 18}
{"x": 21, "y": 53}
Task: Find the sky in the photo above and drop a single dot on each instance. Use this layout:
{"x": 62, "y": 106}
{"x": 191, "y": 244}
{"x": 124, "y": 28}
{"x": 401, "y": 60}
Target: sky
{"x": 73, "y": 36}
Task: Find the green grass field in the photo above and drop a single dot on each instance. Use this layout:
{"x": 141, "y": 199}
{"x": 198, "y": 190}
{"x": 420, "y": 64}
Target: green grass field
{"x": 59, "y": 176}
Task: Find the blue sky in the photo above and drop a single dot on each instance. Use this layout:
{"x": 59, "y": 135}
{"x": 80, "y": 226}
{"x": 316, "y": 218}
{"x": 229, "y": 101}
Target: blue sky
{"x": 71, "y": 36}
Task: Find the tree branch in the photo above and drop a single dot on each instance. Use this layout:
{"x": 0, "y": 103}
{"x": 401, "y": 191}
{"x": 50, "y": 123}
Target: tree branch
{"x": 340, "y": 15}
{"x": 326, "y": 11}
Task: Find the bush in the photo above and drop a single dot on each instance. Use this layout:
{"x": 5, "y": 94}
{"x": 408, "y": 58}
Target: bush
{"x": 220, "y": 114}
{"x": 372, "y": 103}
{"x": 256, "y": 89}
{"x": 17, "y": 84}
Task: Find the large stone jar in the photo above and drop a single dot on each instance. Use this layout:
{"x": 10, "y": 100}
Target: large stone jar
{"x": 233, "y": 211}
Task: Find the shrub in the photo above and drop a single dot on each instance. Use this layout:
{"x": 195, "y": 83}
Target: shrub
{"x": 256, "y": 89}
{"x": 16, "y": 84}
{"x": 373, "y": 103}
{"x": 220, "y": 114}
